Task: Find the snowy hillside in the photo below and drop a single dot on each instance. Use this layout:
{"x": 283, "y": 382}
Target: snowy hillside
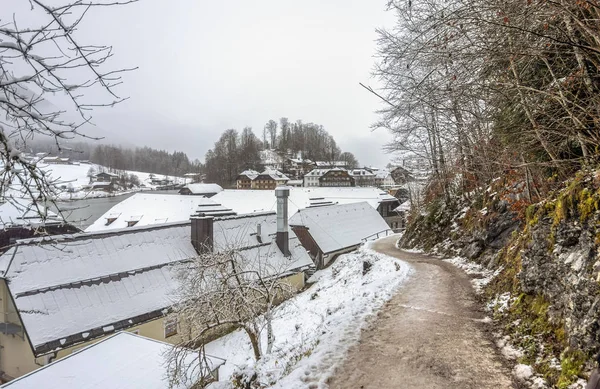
{"x": 315, "y": 329}
{"x": 75, "y": 178}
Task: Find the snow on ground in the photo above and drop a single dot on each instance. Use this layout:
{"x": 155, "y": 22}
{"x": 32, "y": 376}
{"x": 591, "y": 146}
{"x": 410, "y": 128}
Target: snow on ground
{"x": 75, "y": 176}
{"x": 482, "y": 275}
{"x": 315, "y": 329}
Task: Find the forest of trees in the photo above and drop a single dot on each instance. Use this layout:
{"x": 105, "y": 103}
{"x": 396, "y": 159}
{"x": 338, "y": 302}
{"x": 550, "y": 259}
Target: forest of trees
{"x": 142, "y": 159}
{"x": 486, "y": 88}
{"x": 311, "y": 139}
{"x": 235, "y": 151}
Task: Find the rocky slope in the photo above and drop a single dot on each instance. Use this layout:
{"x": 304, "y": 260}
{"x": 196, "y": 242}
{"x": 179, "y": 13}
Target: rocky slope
{"x": 546, "y": 296}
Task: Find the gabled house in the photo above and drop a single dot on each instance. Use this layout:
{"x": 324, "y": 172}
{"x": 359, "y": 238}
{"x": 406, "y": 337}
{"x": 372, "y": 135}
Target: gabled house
{"x": 118, "y": 361}
{"x": 336, "y": 177}
{"x": 401, "y": 176}
{"x": 271, "y": 159}
{"x": 206, "y": 190}
{"x": 61, "y": 293}
{"x": 311, "y": 179}
{"x": 362, "y": 177}
{"x": 245, "y": 179}
{"x": 384, "y": 179}
{"x": 56, "y": 161}
{"x": 328, "y": 231}
{"x": 106, "y": 177}
{"x": 299, "y": 166}
{"x": 269, "y": 180}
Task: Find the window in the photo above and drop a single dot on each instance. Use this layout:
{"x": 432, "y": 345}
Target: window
{"x": 170, "y": 326}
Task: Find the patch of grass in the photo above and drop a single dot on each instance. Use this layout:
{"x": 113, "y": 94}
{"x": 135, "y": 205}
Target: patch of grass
{"x": 571, "y": 364}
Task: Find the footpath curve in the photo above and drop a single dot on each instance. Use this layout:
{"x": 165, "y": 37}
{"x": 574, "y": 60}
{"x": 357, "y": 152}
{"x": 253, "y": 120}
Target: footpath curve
{"x": 429, "y": 335}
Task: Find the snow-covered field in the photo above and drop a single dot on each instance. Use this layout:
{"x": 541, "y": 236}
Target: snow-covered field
{"x": 315, "y": 329}
{"x": 76, "y": 177}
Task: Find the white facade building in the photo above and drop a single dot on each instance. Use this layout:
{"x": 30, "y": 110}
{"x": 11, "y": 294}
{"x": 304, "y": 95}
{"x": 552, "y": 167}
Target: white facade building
{"x": 311, "y": 179}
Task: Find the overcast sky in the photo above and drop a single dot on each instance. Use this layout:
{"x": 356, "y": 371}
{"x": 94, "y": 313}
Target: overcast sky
{"x": 206, "y": 66}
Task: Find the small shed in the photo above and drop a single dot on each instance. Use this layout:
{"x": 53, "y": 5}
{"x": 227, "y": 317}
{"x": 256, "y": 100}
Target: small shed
{"x": 206, "y": 190}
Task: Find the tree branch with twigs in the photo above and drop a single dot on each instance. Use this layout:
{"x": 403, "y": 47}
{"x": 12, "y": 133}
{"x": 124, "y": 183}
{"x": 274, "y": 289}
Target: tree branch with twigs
{"x": 46, "y": 75}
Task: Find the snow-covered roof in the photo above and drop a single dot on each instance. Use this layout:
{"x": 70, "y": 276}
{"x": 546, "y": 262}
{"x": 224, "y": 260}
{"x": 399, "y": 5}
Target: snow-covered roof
{"x": 107, "y": 174}
{"x": 331, "y": 163}
{"x": 118, "y": 361}
{"x": 249, "y": 201}
{"x": 317, "y": 172}
{"x": 151, "y": 209}
{"x": 382, "y": 174}
{"x": 273, "y": 174}
{"x": 340, "y": 226}
{"x": 76, "y": 287}
{"x": 251, "y": 174}
{"x": 73, "y": 288}
{"x": 23, "y": 212}
{"x": 204, "y": 188}
{"x": 300, "y": 161}
{"x": 361, "y": 173}
{"x": 404, "y": 207}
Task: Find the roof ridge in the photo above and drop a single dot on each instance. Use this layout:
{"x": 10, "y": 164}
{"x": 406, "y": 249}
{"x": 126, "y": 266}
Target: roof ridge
{"x": 103, "y": 233}
{"x": 246, "y": 215}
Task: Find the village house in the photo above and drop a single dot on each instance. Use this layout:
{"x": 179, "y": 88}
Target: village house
{"x": 384, "y": 179}
{"x": 245, "y": 179}
{"x": 362, "y": 177}
{"x": 311, "y": 179}
{"x": 101, "y": 365}
{"x": 56, "y": 161}
{"x": 62, "y": 293}
{"x": 401, "y": 176}
{"x": 194, "y": 177}
{"x": 106, "y": 177}
{"x": 269, "y": 180}
{"x": 336, "y": 177}
{"x": 271, "y": 159}
{"x": 328, "y": 231}
{"x": 298, "y": 166}
{"x": 206, "y": 190}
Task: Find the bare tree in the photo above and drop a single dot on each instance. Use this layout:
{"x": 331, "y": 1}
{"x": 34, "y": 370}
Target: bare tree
{"x": 45, "y": 75}
{"x": 478, "y": 88}
{"x": 271, "y": 127}
{"x": 226, "y": 290}
{"x": 350, "y": 159}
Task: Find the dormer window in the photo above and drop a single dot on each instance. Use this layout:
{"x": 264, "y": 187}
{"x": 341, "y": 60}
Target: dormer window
{"x": 110, "y": 220}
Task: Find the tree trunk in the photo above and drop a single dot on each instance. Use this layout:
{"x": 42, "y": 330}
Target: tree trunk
{"x": 270, "y": 335}
{"x": 254, "y": 340}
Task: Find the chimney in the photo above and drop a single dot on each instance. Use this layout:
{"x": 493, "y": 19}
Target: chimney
{"x": 259, "y": 233}
{"x": 282, "y": 194}
{"x": 202, "y": 234}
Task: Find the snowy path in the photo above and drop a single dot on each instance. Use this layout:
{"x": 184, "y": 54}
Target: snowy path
{"x": 429, "y": 335}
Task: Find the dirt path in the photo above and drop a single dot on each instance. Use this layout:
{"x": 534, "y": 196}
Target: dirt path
{"x": 429, "y": 335}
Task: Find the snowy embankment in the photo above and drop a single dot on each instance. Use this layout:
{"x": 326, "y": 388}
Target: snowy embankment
{"x": 74, "y": 179}
{"x": 315, "y": 329}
